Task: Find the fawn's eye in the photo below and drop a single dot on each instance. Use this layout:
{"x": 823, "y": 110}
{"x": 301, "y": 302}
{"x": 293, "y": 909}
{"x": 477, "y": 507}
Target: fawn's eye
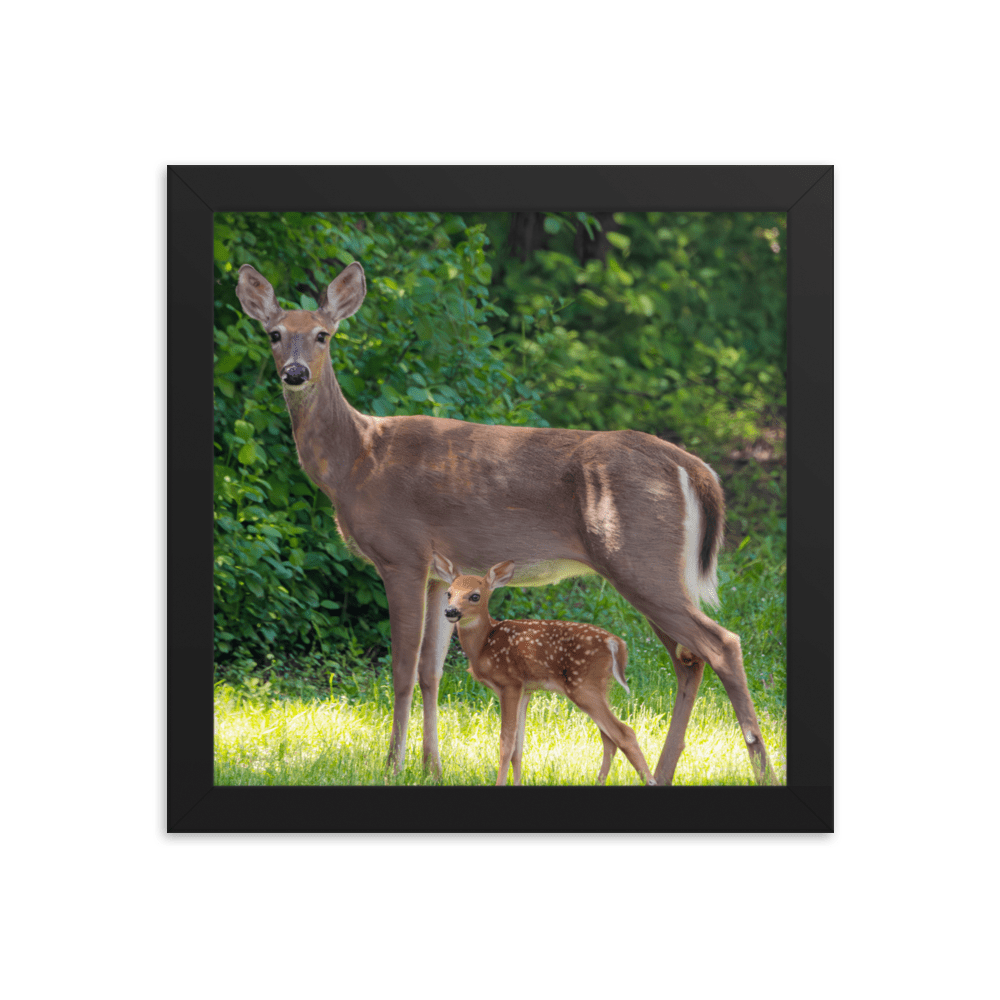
{"x": 321, "y": 337}
{"x": 275, "y": 336}
{"x": 474, "y": 598}
{"x": 448, "y": 595}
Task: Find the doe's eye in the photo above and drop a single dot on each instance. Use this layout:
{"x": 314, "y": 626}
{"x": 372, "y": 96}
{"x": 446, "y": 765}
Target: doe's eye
{"x": 275, "y": 336}
{"x": 321, "y": 337}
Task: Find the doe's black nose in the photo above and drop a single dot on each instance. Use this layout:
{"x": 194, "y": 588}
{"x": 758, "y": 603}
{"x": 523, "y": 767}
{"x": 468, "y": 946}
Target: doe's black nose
{"x": 294, "y": 374}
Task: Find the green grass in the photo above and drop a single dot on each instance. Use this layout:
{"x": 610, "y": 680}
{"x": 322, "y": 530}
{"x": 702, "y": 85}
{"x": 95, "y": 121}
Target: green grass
{"x": 337, "y": 742}
{"x": 340, "y": 737}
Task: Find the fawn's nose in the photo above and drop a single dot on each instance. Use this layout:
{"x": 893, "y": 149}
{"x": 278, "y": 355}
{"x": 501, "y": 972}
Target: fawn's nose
{"x": 452, "y": 614}
{"x": 294, "y": 374}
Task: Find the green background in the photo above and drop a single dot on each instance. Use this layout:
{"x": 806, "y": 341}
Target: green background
{"x": 97, "y": 96}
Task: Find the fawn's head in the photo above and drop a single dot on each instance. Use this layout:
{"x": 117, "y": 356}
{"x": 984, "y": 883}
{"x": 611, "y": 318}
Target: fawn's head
{"x": 299, "y": 337}
{"x": 469, "y": 596}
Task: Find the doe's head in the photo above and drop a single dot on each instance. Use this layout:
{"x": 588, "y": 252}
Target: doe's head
{"x": 300, "y": 337}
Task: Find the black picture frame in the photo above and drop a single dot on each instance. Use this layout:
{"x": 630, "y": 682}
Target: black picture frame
{"x": 194, "y": 803}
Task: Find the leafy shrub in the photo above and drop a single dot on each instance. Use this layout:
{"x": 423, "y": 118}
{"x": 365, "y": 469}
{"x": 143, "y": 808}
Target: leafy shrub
{"x": 679, "y": 331}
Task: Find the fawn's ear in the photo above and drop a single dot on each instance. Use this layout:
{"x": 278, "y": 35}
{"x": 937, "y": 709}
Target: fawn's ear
{"x": 257, "y": 296}
{"x": 345, "y": 294}
{"x": 499, "y": 575}
{"x": 443, "y": 567}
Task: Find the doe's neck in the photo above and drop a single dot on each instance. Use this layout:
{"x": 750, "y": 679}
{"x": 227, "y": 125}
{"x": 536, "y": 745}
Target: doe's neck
{"x": 328, "y": 431}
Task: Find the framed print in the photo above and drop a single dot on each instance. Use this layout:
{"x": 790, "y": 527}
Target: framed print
{"x": 543, "y": 203}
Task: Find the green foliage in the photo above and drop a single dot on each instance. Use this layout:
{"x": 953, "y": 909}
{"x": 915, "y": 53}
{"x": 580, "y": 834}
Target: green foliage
{"x": 679, "y": 331}
{"x": 287, "y": 591}
{"x": 755, "y": 497}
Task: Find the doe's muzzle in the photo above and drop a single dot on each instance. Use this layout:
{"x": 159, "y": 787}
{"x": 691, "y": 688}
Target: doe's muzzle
{"x": 294, "y": 374}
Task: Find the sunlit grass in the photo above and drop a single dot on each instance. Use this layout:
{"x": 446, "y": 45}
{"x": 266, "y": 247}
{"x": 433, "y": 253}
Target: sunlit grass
{"x": 342, "y": 737}
{"x": 269, "y": 741}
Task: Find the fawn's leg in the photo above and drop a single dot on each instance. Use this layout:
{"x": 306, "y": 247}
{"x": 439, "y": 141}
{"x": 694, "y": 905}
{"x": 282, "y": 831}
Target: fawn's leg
{"x": 595, "y": 704}
{"x": 510, "y": 698}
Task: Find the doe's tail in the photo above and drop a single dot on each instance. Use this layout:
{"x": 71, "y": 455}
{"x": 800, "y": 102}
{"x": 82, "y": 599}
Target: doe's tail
{"x": 704, "y": 530}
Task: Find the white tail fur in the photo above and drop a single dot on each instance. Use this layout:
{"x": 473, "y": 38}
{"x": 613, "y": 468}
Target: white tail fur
{"x": 701, "y": 585}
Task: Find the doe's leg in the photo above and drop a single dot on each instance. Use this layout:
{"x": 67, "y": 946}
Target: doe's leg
{"x": 728, "y": 665}
{"x": 689, "y": 669}
{"x": 610, "y": 749}
{"x": 707, "y": 640}
{"x": 405, "y": 592}
{"x": 430, "y": 667}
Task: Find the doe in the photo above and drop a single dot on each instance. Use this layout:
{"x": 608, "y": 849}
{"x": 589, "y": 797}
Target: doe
{"x": 515, "y": 658}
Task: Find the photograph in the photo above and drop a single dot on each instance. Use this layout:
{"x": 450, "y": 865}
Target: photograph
{"x": 490, "y": 491}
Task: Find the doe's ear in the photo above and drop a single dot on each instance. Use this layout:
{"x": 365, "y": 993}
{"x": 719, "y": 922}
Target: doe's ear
{"x": 257, "y": 296}
{"x": 345, "y": 294}
{"x": 443, "y": 567}
{"x": 500, "y": 575}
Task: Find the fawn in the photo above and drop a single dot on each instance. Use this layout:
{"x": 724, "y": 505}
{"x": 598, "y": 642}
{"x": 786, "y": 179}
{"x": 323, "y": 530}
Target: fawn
{"x": 515, "y": 658}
